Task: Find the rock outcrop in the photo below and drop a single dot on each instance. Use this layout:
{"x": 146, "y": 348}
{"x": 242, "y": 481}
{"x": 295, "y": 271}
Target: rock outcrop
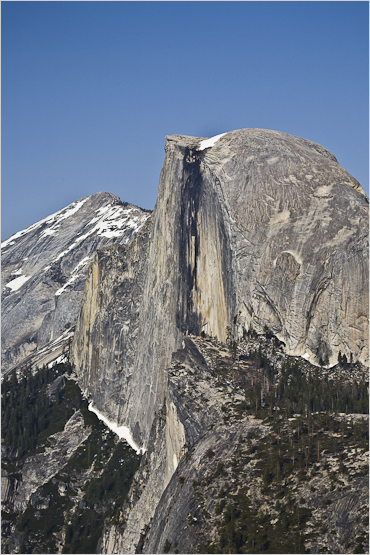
{"x": 38, "y": 470}
{"x": 255, "y": 229}
{"x": 294, "y": 226}
{"x": 260, "y": 229}
{"x": 256, "y": 255}
{"x": 44, "y": 269}
{"x": 224, "y": 462}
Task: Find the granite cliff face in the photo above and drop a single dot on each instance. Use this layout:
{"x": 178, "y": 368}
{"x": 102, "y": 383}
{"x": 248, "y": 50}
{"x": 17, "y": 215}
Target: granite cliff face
{"x": 294, "y": 226}
{"x": 44, "y": 269}
{"x": 260, "y": 229}
{"x": 249, "y": 274}
{"x": 255, "y": 228}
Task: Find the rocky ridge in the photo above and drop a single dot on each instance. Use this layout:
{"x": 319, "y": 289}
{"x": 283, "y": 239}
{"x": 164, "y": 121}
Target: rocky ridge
{"x": 67, "y": 476}
{"x": 222, "y": 244}
{"x": 224, "y": 459}
{"x": 257, "y": 229}
{"x": 44, "y": 269}
{"x": 293, "y": 478}
{"x": 258, "y": 243}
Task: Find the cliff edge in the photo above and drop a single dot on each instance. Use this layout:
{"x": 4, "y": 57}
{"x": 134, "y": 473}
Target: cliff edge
{"x": 253, "y": 229}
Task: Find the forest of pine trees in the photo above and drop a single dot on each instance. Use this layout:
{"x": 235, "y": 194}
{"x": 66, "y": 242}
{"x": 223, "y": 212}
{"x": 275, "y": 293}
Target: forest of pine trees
{"x": 28, "y": 413}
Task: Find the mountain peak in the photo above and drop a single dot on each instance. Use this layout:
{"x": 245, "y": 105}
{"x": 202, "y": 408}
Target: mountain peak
{"x": 46, "y": 264}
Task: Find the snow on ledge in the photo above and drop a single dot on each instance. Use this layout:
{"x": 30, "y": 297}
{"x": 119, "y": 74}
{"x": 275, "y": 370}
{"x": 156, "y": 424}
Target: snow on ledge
{"x": 16, "y": 283}
{"x": 61, "y": 358}
{"x": 53, "y": 219}
{"x": 208, "y": 143}
{"x": 122, "y": 431}
{"x": 73, "y": 275}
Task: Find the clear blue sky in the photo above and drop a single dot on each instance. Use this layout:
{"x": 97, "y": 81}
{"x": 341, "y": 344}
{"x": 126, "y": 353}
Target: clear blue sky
{"x": 90, "y": 89}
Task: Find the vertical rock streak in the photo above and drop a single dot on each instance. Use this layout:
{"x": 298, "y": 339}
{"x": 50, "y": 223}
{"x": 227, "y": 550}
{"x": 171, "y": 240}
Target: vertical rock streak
{"x": 237, "y": 237}
{"x": 187, "y": 318}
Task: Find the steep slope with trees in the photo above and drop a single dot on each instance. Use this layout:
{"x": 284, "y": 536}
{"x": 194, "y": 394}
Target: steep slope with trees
{"x": 229, "y": 339}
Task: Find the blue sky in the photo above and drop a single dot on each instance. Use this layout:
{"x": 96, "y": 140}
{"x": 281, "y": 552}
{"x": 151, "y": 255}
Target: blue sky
{"x": 90, "y": 89}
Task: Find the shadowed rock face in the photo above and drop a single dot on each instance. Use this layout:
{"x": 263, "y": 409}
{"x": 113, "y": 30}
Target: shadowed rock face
{"x": 165, "y": 284}
{"x": 44, "y": 269}
{"x": 260, "y": 229}
{"x": 257, "y": 228}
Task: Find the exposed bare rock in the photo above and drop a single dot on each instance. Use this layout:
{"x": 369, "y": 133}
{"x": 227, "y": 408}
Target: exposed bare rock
{"x": 251, "y": 229}
{"x": 223, "y": 460}
{"x": 112, "y": 311}
{"x": 38, "y": 469}
{"x": 297, "y": 234}
{"x": 254, "y": 229}
{"x": 144, "y": 495}
{"x": 44, "y": 269}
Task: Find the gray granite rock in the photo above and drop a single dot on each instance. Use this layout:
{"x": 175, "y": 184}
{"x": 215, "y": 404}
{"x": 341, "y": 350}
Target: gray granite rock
{"x": 40, "y": 468}
{"x": 258, "y": 229}
{"x": 294, "y": 225}
{"x": 44, "y": 269}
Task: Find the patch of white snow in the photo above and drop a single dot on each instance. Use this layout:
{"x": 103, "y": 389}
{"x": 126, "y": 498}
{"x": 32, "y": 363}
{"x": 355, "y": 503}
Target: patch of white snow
{"x": 53, "y": 218}
{"x": 70, "y": 210}
{"x": 46, "y": 232}
{"x": 16, "y": 283}
{"x": 122, "y": 431}
{"x": 74, "y": 275}
{"x": 59, "y": 360}
{"x": 209, "y": 143}
{"x": 114, "y": 222}
{"x": 53, "y": 345}
{"x": 69, "y": 282}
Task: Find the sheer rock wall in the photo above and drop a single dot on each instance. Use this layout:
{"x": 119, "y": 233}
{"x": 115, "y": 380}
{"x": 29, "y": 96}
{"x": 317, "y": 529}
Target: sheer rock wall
{"x": 261, "y": 229}
{"x": 44, "y": 269}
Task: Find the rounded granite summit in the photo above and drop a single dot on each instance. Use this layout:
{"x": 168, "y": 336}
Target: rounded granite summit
{"x": 297, "y": 228}
{"x": 252, "y": 229}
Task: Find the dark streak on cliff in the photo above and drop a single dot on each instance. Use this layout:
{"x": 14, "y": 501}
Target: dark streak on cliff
{"x": 187, "y": 319}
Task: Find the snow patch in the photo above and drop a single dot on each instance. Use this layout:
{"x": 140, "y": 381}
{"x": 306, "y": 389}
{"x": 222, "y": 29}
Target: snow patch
{"x": 122, "y": 431}
{"x": 59, "y": 360}
{"x": 16, "y": 283}
{"x": 48, "y": 232}
{"x": 111, "y": 221}
{"x": 53, "y": 218}
{"x": 74, "y": 276}
{"x": 69, "y": 282}
{"x": 53, "y": 345}
{"x": 82, "y": 262}
{"x": 209, "y": 143}
{"x": 71, "y": 209}
{"x": 306, "y": 356}
{"x": 103, "y": 209}
{"x": 114, "y": 221}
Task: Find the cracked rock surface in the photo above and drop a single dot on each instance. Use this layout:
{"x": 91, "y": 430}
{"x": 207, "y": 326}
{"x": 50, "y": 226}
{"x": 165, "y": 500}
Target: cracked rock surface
{"x": 43, "y": 270}
{"x": 260, "y": 229}
{"x": 196, "y": 329}
{"x": 39, "y": 469}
